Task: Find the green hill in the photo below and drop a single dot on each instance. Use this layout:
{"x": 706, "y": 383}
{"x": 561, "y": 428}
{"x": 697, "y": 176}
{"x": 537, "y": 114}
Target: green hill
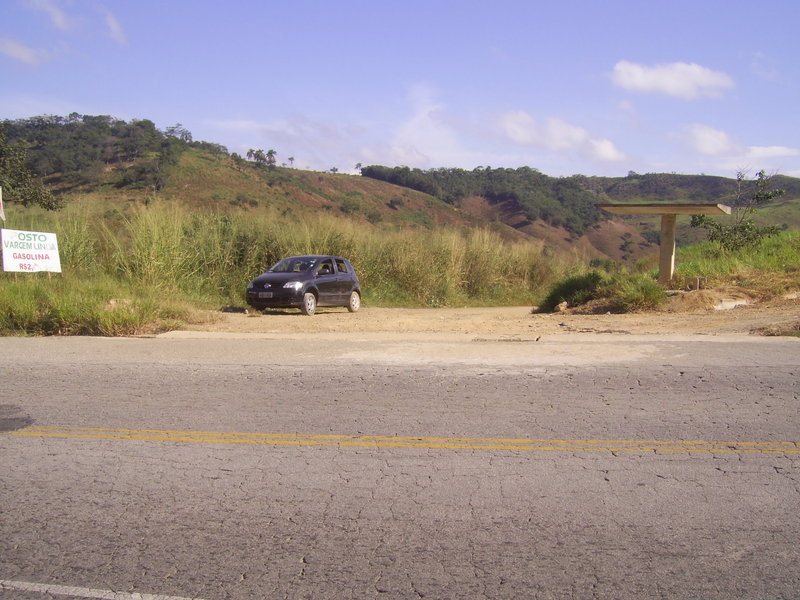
{"x": 109, "y": 162}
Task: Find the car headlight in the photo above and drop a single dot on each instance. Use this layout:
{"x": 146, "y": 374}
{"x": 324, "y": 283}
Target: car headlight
{"x": 293, "y": 285}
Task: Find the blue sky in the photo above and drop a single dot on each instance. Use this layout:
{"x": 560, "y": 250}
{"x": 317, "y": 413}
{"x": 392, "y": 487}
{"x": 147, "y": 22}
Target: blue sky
{"x": 591, "y": 87}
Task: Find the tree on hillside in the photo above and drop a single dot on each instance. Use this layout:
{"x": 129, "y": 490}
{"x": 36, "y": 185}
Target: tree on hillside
{"x": 238, "y": 161}
{"x": 180, "y": 132}
{"x": 270, "y": 158}
{"x": 18, "y": 183}
{"x": 743, "y": 232}
{"x": 260, "y": 158}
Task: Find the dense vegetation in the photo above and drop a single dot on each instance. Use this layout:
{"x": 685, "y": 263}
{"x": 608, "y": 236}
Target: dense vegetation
{"x": 74, "y": 150}
{"x": 675, "y": 188}
{"x": 569, "y": 202}
{"x": 19, "y": 183}
{"x": 560, "y": 202}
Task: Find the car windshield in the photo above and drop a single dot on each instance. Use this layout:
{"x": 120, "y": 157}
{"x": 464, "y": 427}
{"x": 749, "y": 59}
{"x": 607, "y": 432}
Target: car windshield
{"x": 296, "y": 264}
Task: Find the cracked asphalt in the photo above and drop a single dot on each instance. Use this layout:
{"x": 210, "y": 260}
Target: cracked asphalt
{"x": 280, "y": 466}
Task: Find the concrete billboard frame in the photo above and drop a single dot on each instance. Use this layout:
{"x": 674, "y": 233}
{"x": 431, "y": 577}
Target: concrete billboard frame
{"x": 669, "y": 214}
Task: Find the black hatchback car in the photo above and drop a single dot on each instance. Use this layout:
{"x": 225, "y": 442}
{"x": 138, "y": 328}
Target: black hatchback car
{"x": 306, "y": 282}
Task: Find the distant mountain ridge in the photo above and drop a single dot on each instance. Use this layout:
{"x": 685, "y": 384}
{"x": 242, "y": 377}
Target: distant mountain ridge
{"x": 671, "y": 187}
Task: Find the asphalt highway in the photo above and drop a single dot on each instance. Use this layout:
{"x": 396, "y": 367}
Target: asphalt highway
{"x": 239, "y": 467}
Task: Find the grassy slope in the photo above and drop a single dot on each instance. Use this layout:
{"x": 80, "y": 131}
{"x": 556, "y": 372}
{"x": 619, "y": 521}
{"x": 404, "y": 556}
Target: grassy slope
{"x": 216, "y": 183}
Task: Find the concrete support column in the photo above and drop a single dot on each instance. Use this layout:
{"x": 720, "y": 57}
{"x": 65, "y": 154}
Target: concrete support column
{"x": 666, "y": 259}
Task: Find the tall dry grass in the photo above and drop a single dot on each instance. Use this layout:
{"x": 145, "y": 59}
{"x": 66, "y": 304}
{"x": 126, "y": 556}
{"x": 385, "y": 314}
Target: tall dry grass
{"x": 123, "y": 271}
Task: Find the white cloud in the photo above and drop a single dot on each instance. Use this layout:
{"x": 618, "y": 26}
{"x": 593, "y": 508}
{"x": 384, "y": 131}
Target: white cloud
{"x": 430, "y": 135}
{"x": 605, "y": 150}
{"x": 560, "y": 135}
{"x": 680, "y": 80}
{"x": 21, "y": 52}
{"x": 114, "y": 27}
{"x": 725, "y": 154}
{"x": 709, "y": 141}
{"x": 57, "y": 16}
{"x": 757, "y": 152}
{"x": 556, "y": 135}
{"x": 393, "y": 154}
{"x": 519, "y": 127}
{"x": 65, "y": 22}
{"x": 426, "y": 136}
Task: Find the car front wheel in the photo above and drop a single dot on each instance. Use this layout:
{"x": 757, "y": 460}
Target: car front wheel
{"x": 355, "y": 302}
{"x": 309, "y": 303}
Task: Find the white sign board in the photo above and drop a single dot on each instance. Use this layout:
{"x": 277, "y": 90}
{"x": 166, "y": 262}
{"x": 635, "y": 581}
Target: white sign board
{"x": 30, "y": 251}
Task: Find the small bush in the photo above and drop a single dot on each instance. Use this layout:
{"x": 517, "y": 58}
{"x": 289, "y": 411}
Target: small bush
{"x": 605, "y": 264}
{"x": 624, "y": 292}
{"x": 636, "y": 292}
{"x": 743, "y": 232}
{"x": 350, "y": 206}
{"x": 575, "y": 289}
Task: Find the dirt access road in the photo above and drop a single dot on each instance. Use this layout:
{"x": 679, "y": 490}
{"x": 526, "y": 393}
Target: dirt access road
{"x": 688, "y": 314}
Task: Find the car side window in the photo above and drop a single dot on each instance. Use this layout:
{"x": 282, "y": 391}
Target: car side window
{"x": 342, "y": 266}
{"x": 326, "y": 268}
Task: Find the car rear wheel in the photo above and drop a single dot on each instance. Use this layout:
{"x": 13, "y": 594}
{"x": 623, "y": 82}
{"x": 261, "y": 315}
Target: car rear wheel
{"x": 355, "y": 302}
{"x": 309, "y": 305}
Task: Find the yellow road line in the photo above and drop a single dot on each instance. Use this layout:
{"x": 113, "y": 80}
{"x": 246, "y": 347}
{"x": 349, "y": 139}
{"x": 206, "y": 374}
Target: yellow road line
{"x": 378, "y": 441}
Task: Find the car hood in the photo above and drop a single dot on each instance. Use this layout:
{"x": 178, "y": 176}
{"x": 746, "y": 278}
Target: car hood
{"x": 279, "y": 278}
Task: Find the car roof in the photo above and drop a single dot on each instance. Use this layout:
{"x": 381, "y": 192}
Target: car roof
{"x": 315, "y": 256}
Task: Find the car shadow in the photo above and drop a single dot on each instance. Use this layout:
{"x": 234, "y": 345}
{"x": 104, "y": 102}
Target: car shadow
{"x": 320, "y": 312}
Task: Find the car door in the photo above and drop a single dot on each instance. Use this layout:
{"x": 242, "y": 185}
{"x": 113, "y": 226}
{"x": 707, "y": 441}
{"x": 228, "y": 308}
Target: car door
{"x": 327, "y": 282}
{"x": 346, "y": 280}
